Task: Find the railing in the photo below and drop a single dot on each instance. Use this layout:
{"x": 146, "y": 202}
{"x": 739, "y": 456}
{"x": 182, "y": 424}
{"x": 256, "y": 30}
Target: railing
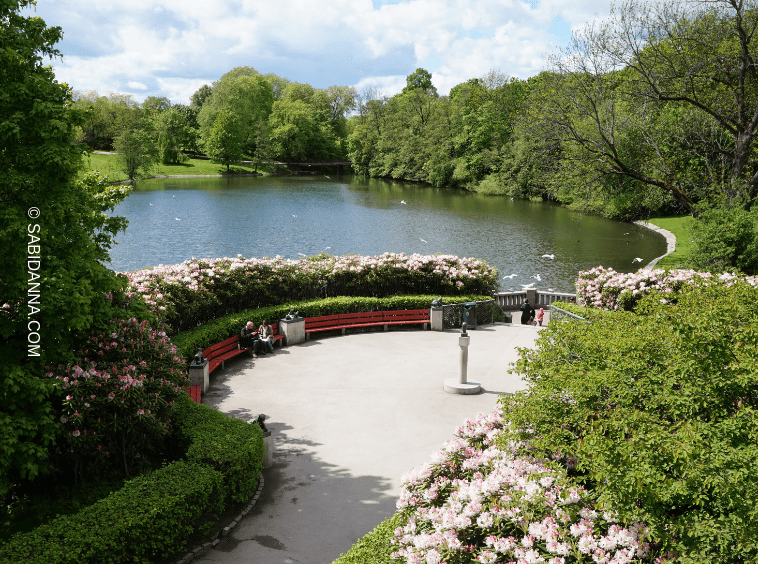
{"x": 559, "y": 314}
{"x": 511, "y": 301}
{"x": 452, "y": 314}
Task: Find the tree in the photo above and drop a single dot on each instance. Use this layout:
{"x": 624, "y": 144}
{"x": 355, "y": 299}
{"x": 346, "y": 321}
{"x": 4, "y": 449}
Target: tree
{"x": 137, "y": 151}
{"x": 247, "y": 95}
{"x": 200, "y": 97}
{"x": 619, "y": 88}
{"x": 224, "y": 143}
{"x": 173, "y": 135}
{"x": 48, "y": 303}
{"x": 420, "y": 78}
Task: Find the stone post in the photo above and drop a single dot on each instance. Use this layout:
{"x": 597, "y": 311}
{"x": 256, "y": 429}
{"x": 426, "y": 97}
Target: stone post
{"x": 293, "y": 330}
{"x": 199, "y": 375}
{"x": 436, "y": 318}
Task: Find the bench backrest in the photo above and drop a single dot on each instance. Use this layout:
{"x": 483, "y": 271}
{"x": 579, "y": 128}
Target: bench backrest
{"x": 361, "y": 317}
{"x": 406, "y": 315}
{"x": 222, "y": 348}
{"x": 321, "y": 321}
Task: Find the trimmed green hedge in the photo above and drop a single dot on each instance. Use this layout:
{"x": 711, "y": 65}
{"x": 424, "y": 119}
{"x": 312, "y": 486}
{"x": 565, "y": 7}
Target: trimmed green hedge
{"x": 217, "y": 330}
{"x": 375, "y": 547}
{"x": 231, "y": 446}
{"x": 154, "y": 515}
{"x": 146, "y": 519}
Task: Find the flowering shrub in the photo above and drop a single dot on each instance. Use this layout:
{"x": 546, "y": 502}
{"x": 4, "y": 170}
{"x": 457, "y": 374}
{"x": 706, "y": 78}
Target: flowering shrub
{"x": 477, "y": 502}
{"x": 115, "y": 404}
{"x": 198, "y": 290}
{"x": 604, "y": 288}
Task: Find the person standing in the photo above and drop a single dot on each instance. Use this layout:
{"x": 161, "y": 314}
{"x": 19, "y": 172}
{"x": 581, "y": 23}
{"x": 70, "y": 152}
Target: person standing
{"x": 540, "y": 315}
{"x": 527, "y": 313}
{"x": 265, "y": 333}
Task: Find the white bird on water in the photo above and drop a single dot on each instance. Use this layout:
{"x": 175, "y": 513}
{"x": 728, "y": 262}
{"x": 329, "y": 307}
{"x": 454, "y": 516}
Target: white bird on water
{"x": 422, "y": 240}
{"x": 151, "y": 204}
{"x": 327, "y": 248}
{"x": 177, "y": 219}
{"x": 325, "y": 176}
{"x": 402, "y": 201}
{"x": 302, "y": 255}
{"x": 551, "y": 257}
{"x": 293, "y": 215}
{"x": 537, "y": 277}
{"x": 638, "y": 259}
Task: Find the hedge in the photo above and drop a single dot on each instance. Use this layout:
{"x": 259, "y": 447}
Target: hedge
{"x": 222, "y": 328}
{"x": 149, "y": 517}
{"x": 228, "y": 445}
{"x": 154, "y": 515}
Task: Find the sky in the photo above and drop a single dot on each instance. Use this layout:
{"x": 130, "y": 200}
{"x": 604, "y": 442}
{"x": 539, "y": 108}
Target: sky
{"x": 171, "y": 48}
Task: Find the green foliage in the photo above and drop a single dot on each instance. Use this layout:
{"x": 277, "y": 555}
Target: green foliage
{"x": 148, "y": 519}
{"x": 224, "y": 142}
{"x": 137, "y": 151}
{"x": 247, "y": 96}
{"x": 106, "y": 117}
{"x": 656, "y": 412}
{"x": 375, "y": 547}
{"x": 724, "y": 239}
{"x": 230, "y": 446}
{"x": 47, "y": 303}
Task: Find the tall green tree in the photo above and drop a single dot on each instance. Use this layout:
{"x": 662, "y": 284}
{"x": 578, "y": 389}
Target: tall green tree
{"x": 247, "y": 95}
{"x": 224, "y": 143}
{"x": 55, "y": 239}
{"x": 664, "y": 95}
{"x": 137, "y": 150}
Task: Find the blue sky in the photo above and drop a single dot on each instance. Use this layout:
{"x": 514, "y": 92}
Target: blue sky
{"x": 171, "y": 48}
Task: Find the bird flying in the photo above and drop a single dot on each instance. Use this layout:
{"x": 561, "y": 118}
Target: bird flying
{"x": 551, "y": 257}
{"x": 511, "y": 276}
{"x": 422, "y": 240}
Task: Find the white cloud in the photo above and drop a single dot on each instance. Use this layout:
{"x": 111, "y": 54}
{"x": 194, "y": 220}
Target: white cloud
{"x": 167, "y": 48}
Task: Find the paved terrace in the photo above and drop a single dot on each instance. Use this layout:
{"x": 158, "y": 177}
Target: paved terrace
{"x": 350, "y": 415}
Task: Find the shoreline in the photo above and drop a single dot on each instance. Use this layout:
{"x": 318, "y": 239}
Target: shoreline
{"x": 670, "y": 242}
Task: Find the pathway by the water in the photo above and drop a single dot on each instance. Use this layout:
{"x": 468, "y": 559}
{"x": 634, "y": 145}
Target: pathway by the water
{"x": 350, "y": 415}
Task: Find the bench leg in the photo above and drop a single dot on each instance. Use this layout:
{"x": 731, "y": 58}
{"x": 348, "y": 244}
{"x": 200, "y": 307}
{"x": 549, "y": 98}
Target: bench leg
{"x": 386, "y": 327}
{"x": 343, "y": 331}
{"x": 222, "y": 364}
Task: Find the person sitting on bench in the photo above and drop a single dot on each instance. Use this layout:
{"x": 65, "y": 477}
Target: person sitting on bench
{"x": 249, "y": 338}
{"x": 265, "y": 333}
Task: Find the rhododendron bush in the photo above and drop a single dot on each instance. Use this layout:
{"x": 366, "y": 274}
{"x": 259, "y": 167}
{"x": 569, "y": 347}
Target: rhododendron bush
{"x": 199, "y": 290}
{"x": 481, "y": 500}
{"x": 604, "y": 288}
{"x": 116, "y": 401}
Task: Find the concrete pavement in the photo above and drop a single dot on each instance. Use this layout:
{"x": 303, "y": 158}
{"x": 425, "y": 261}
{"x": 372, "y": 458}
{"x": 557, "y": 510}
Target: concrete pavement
{"x": 350, "y": 415}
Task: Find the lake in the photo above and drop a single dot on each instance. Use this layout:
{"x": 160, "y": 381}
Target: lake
{"x": 174, "y": 219}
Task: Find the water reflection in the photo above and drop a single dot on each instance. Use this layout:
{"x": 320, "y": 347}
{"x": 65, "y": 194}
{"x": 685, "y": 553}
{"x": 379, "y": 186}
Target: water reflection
{"x": 172, "y": 220}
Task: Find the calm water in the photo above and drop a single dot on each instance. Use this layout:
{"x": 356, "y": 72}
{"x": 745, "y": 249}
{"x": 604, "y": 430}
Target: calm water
{"x": 172, "y": 220}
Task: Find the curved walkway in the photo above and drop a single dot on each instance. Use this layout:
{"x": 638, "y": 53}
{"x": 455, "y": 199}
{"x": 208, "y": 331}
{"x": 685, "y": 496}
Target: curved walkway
{"x": 670, "y": 242}
{"x": 349, "y": 416}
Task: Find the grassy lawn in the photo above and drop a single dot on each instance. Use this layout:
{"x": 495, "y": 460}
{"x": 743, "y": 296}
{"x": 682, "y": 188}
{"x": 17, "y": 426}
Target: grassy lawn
{"x": 677, "y": 226}
{"x": 107, "y": 164}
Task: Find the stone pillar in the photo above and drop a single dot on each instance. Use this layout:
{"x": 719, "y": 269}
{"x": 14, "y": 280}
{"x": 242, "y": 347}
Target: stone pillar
{"x": 531, "y": 295}
{"x": 199, "y": 375}
{"x": 436, "y": 318}
{"x": 293, "y": 330}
